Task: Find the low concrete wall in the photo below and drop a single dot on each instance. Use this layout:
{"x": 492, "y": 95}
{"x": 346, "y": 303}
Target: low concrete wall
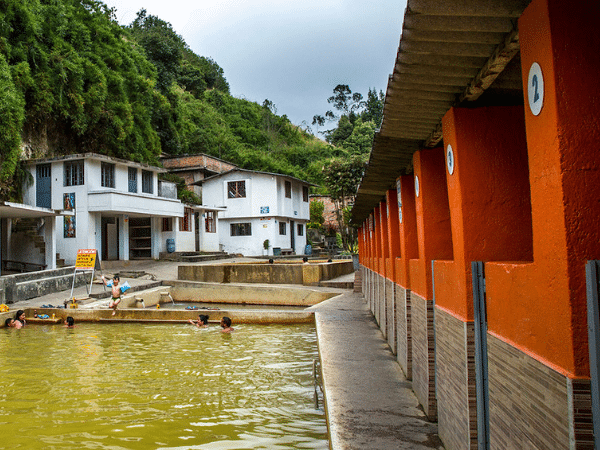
{"x": 24, "y": 286}
{"x": 265, "y": 273}
{"x": 171, "y": 315}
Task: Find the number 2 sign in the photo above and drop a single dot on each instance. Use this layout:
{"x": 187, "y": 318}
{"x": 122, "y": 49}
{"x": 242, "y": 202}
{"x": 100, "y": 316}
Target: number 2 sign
{"x": 535, "y": 89}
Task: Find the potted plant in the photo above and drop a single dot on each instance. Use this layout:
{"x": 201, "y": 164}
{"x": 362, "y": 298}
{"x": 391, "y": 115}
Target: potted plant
{"x": 266, "y": 247}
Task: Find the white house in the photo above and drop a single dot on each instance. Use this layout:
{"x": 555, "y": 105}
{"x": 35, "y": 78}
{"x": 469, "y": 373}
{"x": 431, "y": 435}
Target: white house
{"x": 258, "y": 206}
{"x": 119, "y": 207}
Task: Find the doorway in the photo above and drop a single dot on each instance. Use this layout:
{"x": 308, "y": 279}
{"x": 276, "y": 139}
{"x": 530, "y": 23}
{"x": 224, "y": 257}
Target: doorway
{"x": 110, "y": 238}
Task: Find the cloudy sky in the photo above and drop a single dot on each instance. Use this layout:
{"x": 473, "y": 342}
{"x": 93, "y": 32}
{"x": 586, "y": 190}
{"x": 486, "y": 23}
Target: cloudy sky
{"x": 292, "y": 52}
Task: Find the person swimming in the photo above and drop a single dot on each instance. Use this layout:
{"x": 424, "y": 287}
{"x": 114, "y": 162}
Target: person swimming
{"x": 69, "y": 322}
{"x": 226, "y": 325}
{"x": 9, "y": 323}
{"x": 202, "y": 321}
{"x": 20, "y": 319}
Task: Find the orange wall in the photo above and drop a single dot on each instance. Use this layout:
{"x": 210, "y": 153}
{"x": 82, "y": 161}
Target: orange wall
{"x": 409, "y": 244}
{"x": 546, "y": 300}
{"x": 488, "y": 194}
{"x": 433, "y": 218}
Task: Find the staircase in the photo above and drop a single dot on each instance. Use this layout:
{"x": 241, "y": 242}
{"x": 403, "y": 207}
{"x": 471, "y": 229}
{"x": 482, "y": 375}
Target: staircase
{"x": 60, "y": 262}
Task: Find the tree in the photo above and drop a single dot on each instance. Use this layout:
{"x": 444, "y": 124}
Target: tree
{"x": 164, "y": 48}
{"x": 317, "y": 218}
{"x": 373, "y": 107}
{"x": 342, "y": 177}
{"x": 360, "y": 140}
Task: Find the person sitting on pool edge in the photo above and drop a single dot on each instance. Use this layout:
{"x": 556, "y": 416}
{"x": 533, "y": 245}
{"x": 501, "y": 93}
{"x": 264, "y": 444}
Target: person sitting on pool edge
{"x": 115, "y": 293}
{"x": 226, "y": 325}
{"x": 202, "y": 321}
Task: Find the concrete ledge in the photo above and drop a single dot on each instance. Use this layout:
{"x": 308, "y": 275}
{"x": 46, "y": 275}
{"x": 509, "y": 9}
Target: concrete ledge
{"x": 265, "y": 273}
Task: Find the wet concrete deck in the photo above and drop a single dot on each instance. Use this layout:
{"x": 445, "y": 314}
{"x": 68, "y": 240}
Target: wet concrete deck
{"x": 369, "y": 402}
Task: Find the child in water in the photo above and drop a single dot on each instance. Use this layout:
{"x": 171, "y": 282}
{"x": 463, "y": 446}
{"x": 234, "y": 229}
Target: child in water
{"x": 115, "y": 293}
{"x": 202, "y": 321}
{"x": 226, "y": 325}
{"x": 69, "y": 322}
{"x": 9, "y": 323}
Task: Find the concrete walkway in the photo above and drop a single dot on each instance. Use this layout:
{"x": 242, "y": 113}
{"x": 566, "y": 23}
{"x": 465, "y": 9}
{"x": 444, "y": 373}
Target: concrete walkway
{"x": 370, "y": 405}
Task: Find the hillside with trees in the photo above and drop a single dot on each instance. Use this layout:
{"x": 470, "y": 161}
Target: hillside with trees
{"x": 74, "y": 80}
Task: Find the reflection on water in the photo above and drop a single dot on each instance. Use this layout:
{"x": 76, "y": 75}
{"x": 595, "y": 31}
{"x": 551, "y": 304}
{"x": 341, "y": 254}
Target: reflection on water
{"x": 134, "y": 386}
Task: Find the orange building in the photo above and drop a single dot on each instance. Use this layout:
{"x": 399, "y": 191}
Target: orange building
{"x": 479, "y": 211}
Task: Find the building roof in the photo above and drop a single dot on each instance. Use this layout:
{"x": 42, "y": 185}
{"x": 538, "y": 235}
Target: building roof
{"x": 452, "y": 53}
{"x": 98, "y": 157}
{"x": 237, "y": 169}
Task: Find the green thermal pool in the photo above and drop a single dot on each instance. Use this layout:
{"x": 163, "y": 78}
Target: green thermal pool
{"x": 140, "y": 386}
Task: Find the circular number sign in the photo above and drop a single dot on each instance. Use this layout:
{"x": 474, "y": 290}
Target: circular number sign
{"x": 535, "y": 89}
{"x": 450, "y": 159}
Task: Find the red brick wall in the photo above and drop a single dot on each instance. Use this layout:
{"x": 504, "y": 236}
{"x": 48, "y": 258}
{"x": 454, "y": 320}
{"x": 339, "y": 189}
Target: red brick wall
{"x": 201, "y": 160}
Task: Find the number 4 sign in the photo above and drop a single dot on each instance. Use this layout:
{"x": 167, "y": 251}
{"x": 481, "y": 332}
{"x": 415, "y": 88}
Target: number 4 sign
{"x": 535, "y": 89}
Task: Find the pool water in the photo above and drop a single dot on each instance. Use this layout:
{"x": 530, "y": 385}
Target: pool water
{"x": 139, "y": 386}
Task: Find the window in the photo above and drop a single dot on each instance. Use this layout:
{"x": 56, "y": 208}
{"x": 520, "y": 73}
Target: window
{"x": 210, "y": 221}
{"x": 167, "y": 224}
{"x": 147, "y": 182}
{"x": 300, "y": 229}
{"x": 241, "y": 229}
{"x": 282, "y": 228}
{"x": 185, "y": 223}
{"x": 288, "y": 189}
{"x": 108, "y": 175}
{"x": 74, "y": 173}
{"x": 132, "y": 179}
{"x": 305, "y": 193}
{"x": 236, "y": 189}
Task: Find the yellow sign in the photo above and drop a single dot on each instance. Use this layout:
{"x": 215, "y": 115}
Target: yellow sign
{"x": 86, "y": 259}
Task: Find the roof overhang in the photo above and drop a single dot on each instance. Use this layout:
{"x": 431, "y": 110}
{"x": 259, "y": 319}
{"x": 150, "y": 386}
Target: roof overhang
{"x": 12, "y": 210}
{"x": 453, "y": 53}
{"x": 97, "y": 157}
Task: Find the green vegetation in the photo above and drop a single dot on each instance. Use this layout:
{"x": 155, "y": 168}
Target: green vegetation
{"x": 73, "y": 80}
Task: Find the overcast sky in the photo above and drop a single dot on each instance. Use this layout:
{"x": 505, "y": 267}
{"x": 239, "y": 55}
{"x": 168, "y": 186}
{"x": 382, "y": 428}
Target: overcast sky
{"x": 293, "y": 52}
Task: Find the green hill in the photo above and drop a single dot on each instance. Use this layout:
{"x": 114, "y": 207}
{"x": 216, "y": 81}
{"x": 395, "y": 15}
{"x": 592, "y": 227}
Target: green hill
{"x": 74, "y": 80}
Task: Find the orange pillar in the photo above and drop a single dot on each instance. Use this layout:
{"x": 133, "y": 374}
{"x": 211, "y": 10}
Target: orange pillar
{"x": 377, "y": 237}
{"x": 409, "y": 245}
{"x": 490, "y": 211}
{"x": 385, "y": 251}
{"x": 393, "y": 233}
{"x": 434, "y": 238}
